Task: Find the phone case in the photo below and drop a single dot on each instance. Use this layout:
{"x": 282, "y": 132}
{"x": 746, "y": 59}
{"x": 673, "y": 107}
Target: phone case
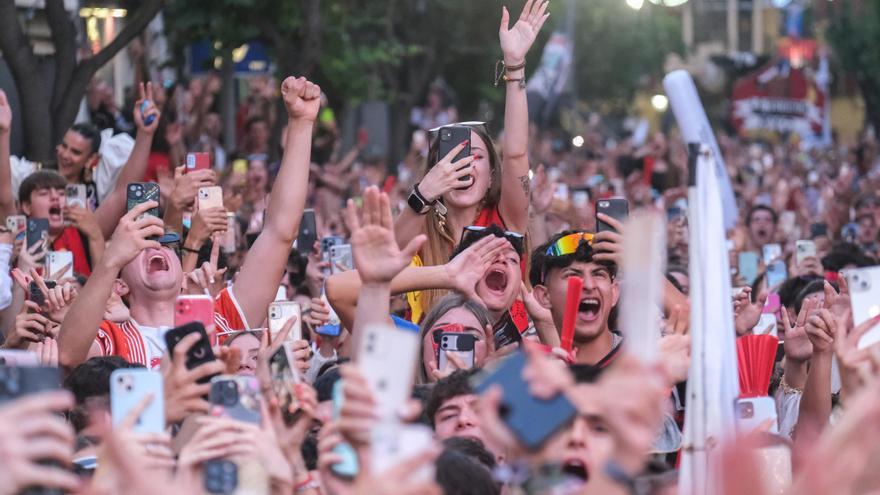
{"x": 76, "y": 195}
{"x": 533, "y": 421}
{"x": 390, "y": 380}
{"x": 348, "y": 467}
{"x": 308, "y": 232}
{"x": 198, "y": 161}
{"x": 459, "y": 344}
{"x": 864, "y": 293}
{"x": 771, "y": 252}
{"x": 804, "y": 249}
{"x": 141, "y": 192}
{"x": 753, "y": 411}
{"x": 279, "y": 313}
{"x": 766, "y": 325}
{"x": 188, "y": 309}
{"x": 238, "y": 396}
{"x": 15, "y": 357}
{"x": 616, "y": 208}
{"x": 451, "y": 136}
{"x": 210, "y": 197}
{"x": 341, "y": 259}
{"x": 35, "y": 294}
{"x": 776, "y": 273}
{"x": 284, "y": 380}
{"x": 17, "y": 224}
{"x": 128, "y": 387}
{"x": 37, "y": 230}
{"x": 230, "y": 238}
{"x": 394, "y": 443}
{"x": 56, "y": 261}
{"x": 18, "y": 382}
{"x": 199, "y": 353}
{"x": 748, "y": 266}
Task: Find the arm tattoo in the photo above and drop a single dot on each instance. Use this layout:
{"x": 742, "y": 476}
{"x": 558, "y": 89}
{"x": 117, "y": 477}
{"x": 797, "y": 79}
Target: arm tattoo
{"x": 526, "y": 184}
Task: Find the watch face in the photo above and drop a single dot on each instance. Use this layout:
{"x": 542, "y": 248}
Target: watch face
{"x": 416, "y": 203}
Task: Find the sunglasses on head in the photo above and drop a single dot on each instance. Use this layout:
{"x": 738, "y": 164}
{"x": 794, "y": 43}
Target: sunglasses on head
{"x": 474, "y": 233}
{"x": 569, "y": 244}
{"x": 434, "y": 133}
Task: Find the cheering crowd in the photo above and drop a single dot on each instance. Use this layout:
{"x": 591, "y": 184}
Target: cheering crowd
{"x": 318, "y": 325}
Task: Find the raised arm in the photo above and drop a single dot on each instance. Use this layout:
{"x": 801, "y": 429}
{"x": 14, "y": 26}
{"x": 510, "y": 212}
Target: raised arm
{"x": 263, "y": 268}
{"x": 112, "y": 208}
{"x": 80, "y": 326}
{"x": 515, "y": 44}
{"x": 7, "y": 203}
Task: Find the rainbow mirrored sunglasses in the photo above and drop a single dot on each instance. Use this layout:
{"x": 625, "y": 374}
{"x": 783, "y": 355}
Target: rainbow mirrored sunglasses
{"x": 474, "y": 233}
{"x": 569, "y": 244}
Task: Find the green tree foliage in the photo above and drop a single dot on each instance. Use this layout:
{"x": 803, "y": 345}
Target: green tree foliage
{"x": 854, "y": 33}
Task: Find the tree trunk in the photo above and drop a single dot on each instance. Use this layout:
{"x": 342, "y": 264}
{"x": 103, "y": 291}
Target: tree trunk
{"x": 227, "y": 100}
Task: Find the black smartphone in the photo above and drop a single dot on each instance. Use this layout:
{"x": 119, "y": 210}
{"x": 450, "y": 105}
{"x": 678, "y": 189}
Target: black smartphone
{"x": 36, "y": 295}
{"x": 199, "y": 353}
{"x": 17, "y": 382}
{"x": 616, "y": 208}
{"x": 532, "y": 420}
{"x": 141, "y": 192}
{"x": 818, "y": 230}
{"x": 451, "y": 136}
{"x": 506, "y": 332}
{"x": 37, "y": 230}
{"x": 221, "y": 476}
{"x": 308, "y": 232}
{"x": 284, "y": 383}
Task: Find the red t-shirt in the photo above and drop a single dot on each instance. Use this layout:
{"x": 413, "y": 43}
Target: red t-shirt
{"x": 70, "y": 240}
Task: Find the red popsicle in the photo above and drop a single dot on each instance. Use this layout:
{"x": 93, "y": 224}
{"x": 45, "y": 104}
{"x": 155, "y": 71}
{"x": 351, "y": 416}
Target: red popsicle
{"x": 572, "y": 301}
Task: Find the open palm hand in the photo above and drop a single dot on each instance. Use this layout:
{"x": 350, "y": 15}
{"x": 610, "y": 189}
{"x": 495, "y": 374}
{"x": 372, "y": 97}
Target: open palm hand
{"x": 516, "y": 41}
{"x": 376, "y": 254}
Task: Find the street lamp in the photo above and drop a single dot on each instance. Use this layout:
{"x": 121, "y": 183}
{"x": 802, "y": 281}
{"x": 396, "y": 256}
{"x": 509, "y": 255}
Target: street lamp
{"x": 669, "y": 3}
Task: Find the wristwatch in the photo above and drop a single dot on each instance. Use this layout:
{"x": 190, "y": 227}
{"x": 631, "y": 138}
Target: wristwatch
{"x": 417, "y": 202}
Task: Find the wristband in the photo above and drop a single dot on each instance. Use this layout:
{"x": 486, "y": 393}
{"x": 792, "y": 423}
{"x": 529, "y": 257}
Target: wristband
{"x": 189, "y": 250}
{"x": 307, "y": 484}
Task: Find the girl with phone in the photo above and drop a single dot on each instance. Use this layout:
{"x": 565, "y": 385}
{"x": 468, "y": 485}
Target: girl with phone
{"x": 454, "y": 313}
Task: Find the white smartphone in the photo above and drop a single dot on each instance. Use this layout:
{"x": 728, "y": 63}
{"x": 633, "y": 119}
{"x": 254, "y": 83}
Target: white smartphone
{"x": 751, "y": 412}
{"x": 17, "y": 224}
{"x": 75, "y": 195}
{"x": 461, "y": 345}
{"x": 804, "y": 249}
{"x": 771, "y": 252}
{"x": 766, "y": 325}
{"x": 341, "y": 259}
{"x": 59, "y": 265}
{"x": 279, "y": 313}
{"x": 18, "y": 358}
{"x": 128, "y": 387}
{"x": 394, "y": 443}
{"x": 210, "y": 197}
{"x": 864, "y": 294}
{"x": 230, "y": 238}
{"x": 390, "y": 380}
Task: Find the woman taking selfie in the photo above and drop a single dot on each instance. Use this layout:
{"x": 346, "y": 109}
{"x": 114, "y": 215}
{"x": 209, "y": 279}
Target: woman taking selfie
{"x": 478, "y": 189}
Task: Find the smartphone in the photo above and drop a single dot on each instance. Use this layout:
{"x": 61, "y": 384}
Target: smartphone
{"x": 818, "y": 230}
{"x": 18, "y": 225}
{"x": 772, "y": 304}
{"x": 751, "y": 412}
{"x": 748, "y": 266}
{"x": 231, "y": 236}
{"x": 616, "y": 208}
{"x": 200, "y": 353}
{"x": 15, "y": 357}
{"x": 459, "y": 344}
{"x": 771, "y": 253}
{"x": 390, "y": 380}
{"x": 59, "y": 265}
{"x": 37, "y": 230}
{"x": 348, "y": 467}
{"x": 580, "y": 197}
{"x": 238, "y": 398}
{"x": 284, "y": 380}
{"x": 279, "y": 313}
{"x": 197, "y": 161}
{"x": 451, "y": 136}
{"x": 865, "y": 300}
{"x": 188, "y": 309}
{"x": 329, "y": 330}
{"x": 560, "y": 192}
{"x": 776, "y": 273}
{"x": 327, "y": 243}
{"x": 76, "y": 195}
{"x": 17, "y": 382}
{"x": 141, "y": 192}
{"x": 804, "y": 249}
{"x": 308, "y": 232}
{"x": 341, "y": 259}
{"x": 210, "y": 197}
{"x": 395, "y": 443}
{"x": 128, "y": 387}
{"x": 766, "y": 325}
{"x": 36, "y": 295}
{"x": 532, "y": 420}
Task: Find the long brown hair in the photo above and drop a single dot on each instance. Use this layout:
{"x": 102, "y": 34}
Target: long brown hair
{"x": 441, "y": 240}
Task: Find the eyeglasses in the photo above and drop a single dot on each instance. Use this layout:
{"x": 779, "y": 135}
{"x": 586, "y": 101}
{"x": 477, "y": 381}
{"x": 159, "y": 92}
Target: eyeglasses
{"x": 569, "y": 244}
{"x": 474, "y": 233}
{"x": 476, "y": 125}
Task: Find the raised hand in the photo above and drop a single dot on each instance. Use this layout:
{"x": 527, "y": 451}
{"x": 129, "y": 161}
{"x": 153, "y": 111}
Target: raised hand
{"x": 184, "y": 395}
{"x": 675, "y": 346}
{"x": 375, "y": 251}
{"x": 132, "y": 236}
{"x": 186, "y": 186}
{"x": 145, "y": 110}
{"x": 470, "y": 265}
{"x": 821, "y": 327}
{"x": 302, "y": 98}
{"x": 516, "y": 41}
{"x": 30, "y": 327}
{"x": 446, "y": 174}
{"x": 837, "y": 302}
{"x": 84, "y": 220}
{"x": 5, "y": 114}
{"x": 746, "y": 313}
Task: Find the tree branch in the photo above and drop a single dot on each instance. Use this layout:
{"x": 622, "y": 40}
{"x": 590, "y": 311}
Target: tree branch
{"x": 64, "y": 41}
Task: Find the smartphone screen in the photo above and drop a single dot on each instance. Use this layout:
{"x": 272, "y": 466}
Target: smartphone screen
{"x": 308, "y": 232}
